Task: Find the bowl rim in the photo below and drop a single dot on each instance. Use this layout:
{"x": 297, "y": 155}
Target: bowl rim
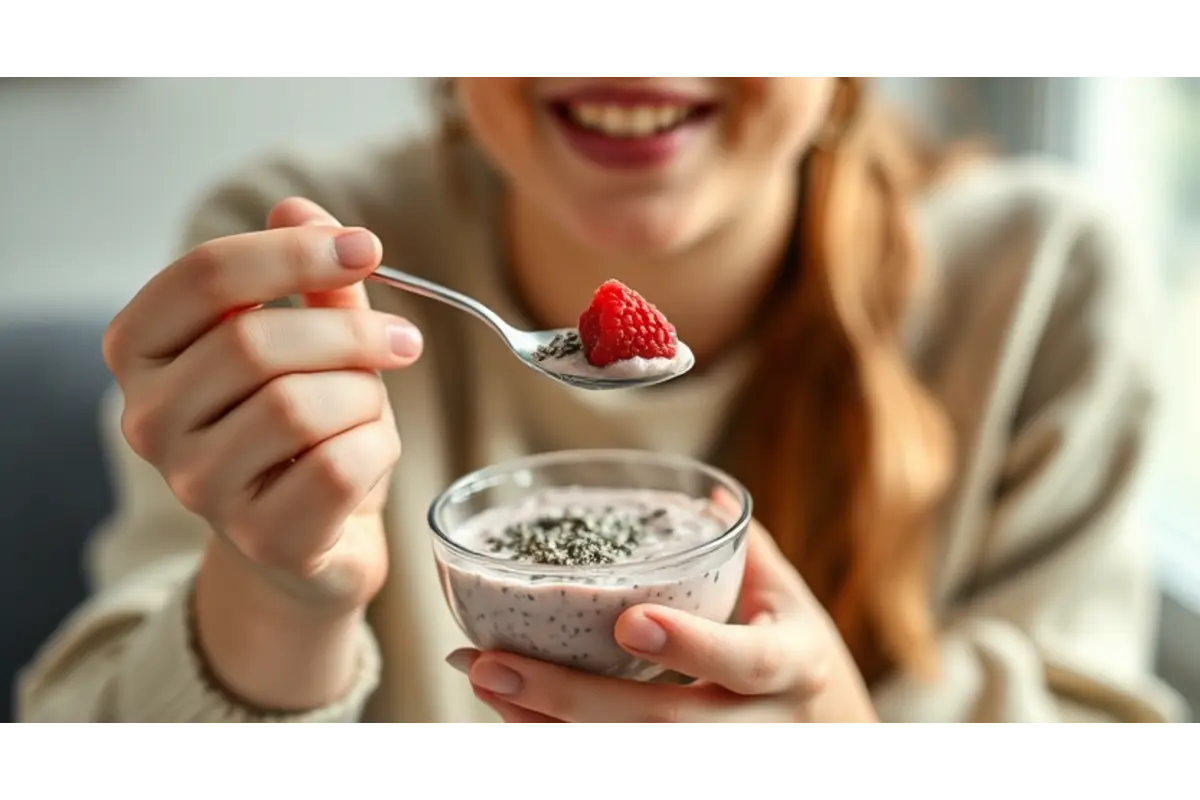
{"x": 597, "y": 455}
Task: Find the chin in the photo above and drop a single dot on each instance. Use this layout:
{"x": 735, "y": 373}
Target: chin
{"x": 638, "y": 230}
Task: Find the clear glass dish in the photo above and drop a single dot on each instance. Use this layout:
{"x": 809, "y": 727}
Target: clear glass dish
{"x": 566, "y": 614}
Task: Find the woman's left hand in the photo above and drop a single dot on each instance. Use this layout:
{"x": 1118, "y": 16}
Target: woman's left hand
{"x": 786, "y": 664}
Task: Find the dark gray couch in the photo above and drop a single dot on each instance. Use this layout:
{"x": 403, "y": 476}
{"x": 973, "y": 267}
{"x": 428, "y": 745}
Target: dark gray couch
{"x": 53, "y": 486}
{"x": 54, "y": 490}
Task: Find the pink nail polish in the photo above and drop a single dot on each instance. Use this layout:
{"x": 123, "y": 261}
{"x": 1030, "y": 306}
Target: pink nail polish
{"x": 357, "y": 249}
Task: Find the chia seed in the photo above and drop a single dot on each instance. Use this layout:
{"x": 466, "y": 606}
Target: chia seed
{"x": 571, "y": 538}
{"x": 561, "y": 346}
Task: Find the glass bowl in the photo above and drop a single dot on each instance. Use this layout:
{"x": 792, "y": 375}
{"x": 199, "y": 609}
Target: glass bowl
{"x": 566, "y": 614}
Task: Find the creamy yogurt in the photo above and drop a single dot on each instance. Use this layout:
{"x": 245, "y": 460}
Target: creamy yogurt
{"x": 565, "y": 357}
{"x": 590, "y": 542}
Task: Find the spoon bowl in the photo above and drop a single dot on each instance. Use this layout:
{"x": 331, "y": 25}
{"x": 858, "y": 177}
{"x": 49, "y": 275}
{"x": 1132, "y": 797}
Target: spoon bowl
{"x": 526, "y": 345}
{"x": 584, "y": 376}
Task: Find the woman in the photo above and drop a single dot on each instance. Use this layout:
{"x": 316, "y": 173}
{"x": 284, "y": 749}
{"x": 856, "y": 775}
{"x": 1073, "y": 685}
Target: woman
{"x": 933, "y": 380}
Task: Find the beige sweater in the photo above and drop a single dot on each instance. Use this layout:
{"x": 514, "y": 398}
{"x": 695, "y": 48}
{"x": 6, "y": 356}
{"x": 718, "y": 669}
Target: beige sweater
{"x": 1033, "y": 336}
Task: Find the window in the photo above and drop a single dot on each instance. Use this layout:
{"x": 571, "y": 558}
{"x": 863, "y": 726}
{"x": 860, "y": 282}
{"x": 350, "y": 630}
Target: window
{"x": 1140, "y": 137}
{"x": 1139, "y": 140}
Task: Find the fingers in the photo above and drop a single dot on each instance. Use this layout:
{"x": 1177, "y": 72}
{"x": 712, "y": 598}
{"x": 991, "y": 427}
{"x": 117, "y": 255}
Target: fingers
{"x": 283, "y": 420}
{"x": 248, "y": 351}
{"x": 270, "y": 423}
{"x": 197, "y": 291}
{"x": 299, "y": 211}
{"x": 292, "y": 212}
{"x": 296, "y": 519}
{"x": 555, "y": 692}
{"x": 462, "y": 660}
{"x": 568, "y": 695}
{"x": 512, "y": 713}
{"x": 777, "y": 655}
{"x": 759, "y": 672}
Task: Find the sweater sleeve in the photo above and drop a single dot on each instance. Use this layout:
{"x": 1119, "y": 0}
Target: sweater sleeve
{"x": 127, "y": 654}
{"x": 1057, "y": 620}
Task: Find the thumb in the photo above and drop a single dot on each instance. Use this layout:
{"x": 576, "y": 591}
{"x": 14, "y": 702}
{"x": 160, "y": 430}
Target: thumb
{"x": 296, "y": 211}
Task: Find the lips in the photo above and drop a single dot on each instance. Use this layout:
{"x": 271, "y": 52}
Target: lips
{"x": 629, "y": 128}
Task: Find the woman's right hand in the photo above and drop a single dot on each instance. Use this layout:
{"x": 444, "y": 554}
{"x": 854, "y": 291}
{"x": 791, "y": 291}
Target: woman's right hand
{"x": 272, "y": 424}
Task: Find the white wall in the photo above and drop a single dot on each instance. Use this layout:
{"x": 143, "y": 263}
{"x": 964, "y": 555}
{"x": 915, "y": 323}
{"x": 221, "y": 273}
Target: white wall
{"x": 96, "y": 176}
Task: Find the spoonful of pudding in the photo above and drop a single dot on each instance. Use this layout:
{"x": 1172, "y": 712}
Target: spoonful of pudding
{"x": 622, "y": 341}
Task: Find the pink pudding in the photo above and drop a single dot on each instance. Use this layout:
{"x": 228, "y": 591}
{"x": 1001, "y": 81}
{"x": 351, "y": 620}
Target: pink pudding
{"x": 548, "y": 576}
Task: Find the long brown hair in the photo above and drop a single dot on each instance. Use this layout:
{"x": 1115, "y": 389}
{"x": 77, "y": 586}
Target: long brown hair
{"x": 845, "y": 452}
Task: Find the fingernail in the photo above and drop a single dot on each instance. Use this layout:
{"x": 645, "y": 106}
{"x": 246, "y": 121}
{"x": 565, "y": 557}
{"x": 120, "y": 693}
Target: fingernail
{"x": 496, "y": 678}
{"x": 405, "y": 340}
{"x": 462, "y": 660}
{"x": 642, "y": 634}
{"x": 357, "y": 249}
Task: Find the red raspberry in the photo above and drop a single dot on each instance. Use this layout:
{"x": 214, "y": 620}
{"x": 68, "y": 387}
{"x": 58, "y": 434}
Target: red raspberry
{"x": 620, "y": 324}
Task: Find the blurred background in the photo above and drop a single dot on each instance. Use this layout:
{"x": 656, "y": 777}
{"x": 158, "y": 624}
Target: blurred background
{"x": 98, "y": 175}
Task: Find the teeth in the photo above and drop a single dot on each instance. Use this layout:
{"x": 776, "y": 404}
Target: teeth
{"x": 666, "y": 116}
{"x": 627, "y": 121}
{"x": 591, "y": 116}
{"x": 643, "y": 120}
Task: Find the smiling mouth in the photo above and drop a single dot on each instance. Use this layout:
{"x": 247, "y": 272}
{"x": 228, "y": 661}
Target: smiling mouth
{"x": 623, "y": 121}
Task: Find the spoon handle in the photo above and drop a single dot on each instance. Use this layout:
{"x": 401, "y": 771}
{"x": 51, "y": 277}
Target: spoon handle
{"x": 435, "y": 291}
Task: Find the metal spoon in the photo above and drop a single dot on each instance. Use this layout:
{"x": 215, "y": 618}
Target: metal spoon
{"x": 524, "y": 344}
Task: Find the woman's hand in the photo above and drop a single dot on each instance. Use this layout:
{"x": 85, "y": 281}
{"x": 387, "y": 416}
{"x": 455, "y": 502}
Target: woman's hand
{"x": 787, "y": 664}
{"x": 274, "y": 426}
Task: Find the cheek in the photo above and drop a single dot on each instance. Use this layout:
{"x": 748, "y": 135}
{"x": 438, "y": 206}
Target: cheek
{"x": 778, "y": 118}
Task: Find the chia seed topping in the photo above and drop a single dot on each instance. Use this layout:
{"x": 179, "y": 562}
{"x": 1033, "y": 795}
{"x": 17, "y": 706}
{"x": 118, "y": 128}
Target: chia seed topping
{"x": 561, "y": 346}
{"x": 574, "y": 537}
